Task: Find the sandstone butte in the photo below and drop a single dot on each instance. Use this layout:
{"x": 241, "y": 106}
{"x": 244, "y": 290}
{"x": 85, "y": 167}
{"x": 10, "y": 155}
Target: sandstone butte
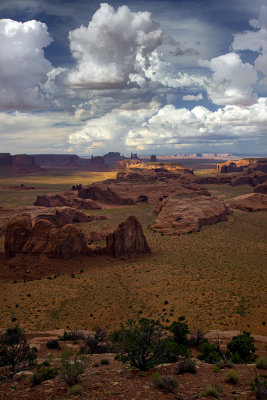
{"x": 127, "y": 240}
{"x": 183, "y": 214}
{"x": 250, "y": 202}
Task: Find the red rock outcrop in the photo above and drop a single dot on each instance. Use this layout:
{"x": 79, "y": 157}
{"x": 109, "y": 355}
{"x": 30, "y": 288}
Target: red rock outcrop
{"x": 59, "y": 216}
{"x": 43, "y": 238}
{"x": 261, "y": 188}
{"x": 128, "y": 240}
{"x": 250, "y": 202}
{"x": 248, "y": 165}
{"x": 103, "y": 194}
{"x": 68, "y": 199}
{"x": 183, "y": 214}
{"x": 17, "y": 233}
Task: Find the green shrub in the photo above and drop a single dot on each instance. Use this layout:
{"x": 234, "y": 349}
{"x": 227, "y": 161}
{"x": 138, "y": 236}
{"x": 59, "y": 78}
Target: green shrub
{"x": 15, "y": 353}
{"x": 43, "y": 372}
{"x": 71, "y": 336}
{"x": 261, "y": 363}
{"x": 209, "y": 352}
{"x": 241, "y": 348}
{"x": 180, "y": 331}
{"x": 232, "y": 377}
{"x": 138, "y": 343}
{"x": 186, "y": 365}
{"x": 75, "y": 390}
{"x": 216, "y": 369}
{"x": 71, "y": 367}
{"x": 259, "y": 387}
{"x": 168, "y": 351}
{"x": 52, "y": 344}
{"x": 104, "y": 361}
{"x": 228, "y": 364}
{"x": 212, "y": 390}
{"x": 166, "y": 383}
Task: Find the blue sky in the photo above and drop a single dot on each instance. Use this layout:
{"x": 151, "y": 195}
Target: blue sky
{"x": 161, "y": 77}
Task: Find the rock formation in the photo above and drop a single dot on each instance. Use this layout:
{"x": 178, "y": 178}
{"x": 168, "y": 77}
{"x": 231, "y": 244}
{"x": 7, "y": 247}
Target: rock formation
{"x": 68, "y": 199}
{"x": 127, "y": 240}
{"x": 261, "y": 188}
{"x": 59, "y": 216}
{"x": 250, "y": 202}
{"x": 187, "y": 213}
{"x": 17, "y": 233}
{"x": 247, "y": 165}
{"x": 43, "y": 238}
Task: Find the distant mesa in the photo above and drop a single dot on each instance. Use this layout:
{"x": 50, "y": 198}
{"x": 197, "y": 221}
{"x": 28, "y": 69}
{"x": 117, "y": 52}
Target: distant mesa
{"x": 246, "y": 165}
{"x": 153, "y": 158}
{"x": 19, "y": 164}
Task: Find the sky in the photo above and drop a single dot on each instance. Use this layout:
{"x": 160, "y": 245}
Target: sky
{"x": 154, "y": 77}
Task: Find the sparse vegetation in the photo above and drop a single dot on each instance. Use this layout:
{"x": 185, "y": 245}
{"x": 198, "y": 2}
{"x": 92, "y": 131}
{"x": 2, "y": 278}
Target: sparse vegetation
{"x": 212, "y": 391}
{"x": 167, "y": 384}
{"x": 185, "y": 365}
{"x": 95, "y": 342}
{"x": 232, "y": 377}
{"x": 43, "y": 372}
{"x": 75, "y": 390}
{"x": 261, "y": 363}
{"x": 71, "y": 367}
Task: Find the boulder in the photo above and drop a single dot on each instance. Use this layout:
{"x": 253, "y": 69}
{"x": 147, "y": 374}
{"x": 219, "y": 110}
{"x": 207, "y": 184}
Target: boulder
{"x": 98, "y": 236}
{"x": 127, "y": 240}
{"x": 250, "y": 202}
{"x": 183, "y": 214}
{"x": 17, "y": 233}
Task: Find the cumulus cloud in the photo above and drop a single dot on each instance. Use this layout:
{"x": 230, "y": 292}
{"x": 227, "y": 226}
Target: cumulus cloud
{"x": 255, "y": 40}
{"x": 167, "y": 126}
{"x": 106, "y": 51}
{"x": 191, "y": 97}
{"x": 22, "y": 63}
{"x": 232, "y": 80}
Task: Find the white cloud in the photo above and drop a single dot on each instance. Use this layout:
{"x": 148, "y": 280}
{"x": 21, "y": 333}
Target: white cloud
{"x": 232, "y": 80}
{"x": 255, "y": 40}
{"x": 165, "y": 127}
{"x": 191, "y": 97}
{"x": 106, "y": 51}
{"x": 22, "y": 63}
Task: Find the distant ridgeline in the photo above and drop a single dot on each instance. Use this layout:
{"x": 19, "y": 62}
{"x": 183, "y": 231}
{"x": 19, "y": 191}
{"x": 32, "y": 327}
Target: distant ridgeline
{"x": 247, "y": 165}
{"x": 26, "y": 164}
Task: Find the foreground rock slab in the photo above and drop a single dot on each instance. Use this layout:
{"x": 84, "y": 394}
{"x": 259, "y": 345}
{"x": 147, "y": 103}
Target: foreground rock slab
{"x": 251, "y": 202}
{"x": 127, "y": 240}
{"x": 183, "y": 214}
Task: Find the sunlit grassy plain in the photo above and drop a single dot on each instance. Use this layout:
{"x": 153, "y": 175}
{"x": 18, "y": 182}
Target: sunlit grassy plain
{"x": 216, "y": 278}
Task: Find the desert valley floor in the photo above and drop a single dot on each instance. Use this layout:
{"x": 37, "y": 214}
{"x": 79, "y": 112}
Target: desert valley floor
{"x": 215, "y": 278}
